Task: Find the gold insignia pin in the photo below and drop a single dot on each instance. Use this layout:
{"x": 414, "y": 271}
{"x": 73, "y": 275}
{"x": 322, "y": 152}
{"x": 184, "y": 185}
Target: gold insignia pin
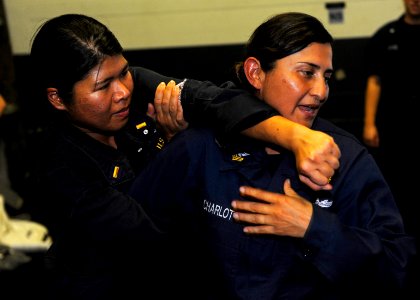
{"x": 237, "y": 157}
{"x": 141, "y": 125}
{"x": 116, "y": 170}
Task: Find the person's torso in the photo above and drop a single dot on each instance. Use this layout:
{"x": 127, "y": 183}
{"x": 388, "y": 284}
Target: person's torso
{"x": 82, "y": 194}
{"x": 395, "y": 53}
{"x": 236, "y": 264}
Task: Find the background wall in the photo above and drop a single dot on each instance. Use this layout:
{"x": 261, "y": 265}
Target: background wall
{"x": 144, "y": 24}
{"x": 202, "y": 39}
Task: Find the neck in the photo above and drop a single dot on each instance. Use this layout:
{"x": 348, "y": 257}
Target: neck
{"x": 106, "y": 139}
{"x": 412, "y": 20}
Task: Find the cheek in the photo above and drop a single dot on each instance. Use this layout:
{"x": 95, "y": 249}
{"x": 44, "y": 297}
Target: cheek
{"x": 92, "y": 107}
{"x": 283, "y": 95}
{"x": 129, "y": 83}
{"x": 293, "y": 86}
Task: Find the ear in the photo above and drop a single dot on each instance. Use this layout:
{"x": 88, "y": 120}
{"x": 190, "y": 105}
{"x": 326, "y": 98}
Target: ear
{"x": 54, "y": 98}
{"x": 253, "y": 72}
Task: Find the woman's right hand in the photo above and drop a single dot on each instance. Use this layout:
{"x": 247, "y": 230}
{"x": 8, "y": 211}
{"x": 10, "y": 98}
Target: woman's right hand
{"x": 317, "y": 158}
{"x": 317, "y": 155}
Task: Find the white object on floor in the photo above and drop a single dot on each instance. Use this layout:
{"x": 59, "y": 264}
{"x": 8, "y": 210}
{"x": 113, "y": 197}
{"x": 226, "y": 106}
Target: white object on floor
{"x": 22, "y": 235}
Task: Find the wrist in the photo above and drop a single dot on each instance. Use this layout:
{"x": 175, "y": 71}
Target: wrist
{"x": 297, "y": 136}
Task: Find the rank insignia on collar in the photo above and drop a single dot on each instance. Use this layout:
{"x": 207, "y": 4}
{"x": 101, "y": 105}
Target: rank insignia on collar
{"x": 141, "y": 125}
{"x": 115, "y": 173}
{"x": 160, "y": 143}
{"x": 239, "y": 156}
{"x": 144, "y": 126}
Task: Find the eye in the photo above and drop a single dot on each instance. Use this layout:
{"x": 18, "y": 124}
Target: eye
{"x": 103, "y": 86}
{"x": 327, "y": 77}
{"x": 307, "y": 73}
{"x": 124, "y": 72}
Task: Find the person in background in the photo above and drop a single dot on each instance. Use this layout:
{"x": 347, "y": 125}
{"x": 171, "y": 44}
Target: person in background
{"x": 278, "y": 239}
{"x": 392, "y": 100}
{"x": 100, "y": 133}
{"x": 2, "y": 104}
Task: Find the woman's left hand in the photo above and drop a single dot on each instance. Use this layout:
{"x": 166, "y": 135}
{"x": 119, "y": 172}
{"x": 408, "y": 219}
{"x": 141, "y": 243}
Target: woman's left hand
{"x": 273, "y": 213}
{"x": 168, "y": 109}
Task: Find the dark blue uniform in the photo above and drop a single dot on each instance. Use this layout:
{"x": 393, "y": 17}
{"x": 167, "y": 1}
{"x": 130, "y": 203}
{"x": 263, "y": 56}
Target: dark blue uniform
{"x": 355, "y": 242}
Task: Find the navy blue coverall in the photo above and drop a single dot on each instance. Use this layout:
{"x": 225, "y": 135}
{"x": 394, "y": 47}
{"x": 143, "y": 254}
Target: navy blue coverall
{"x": 355, "y": 243}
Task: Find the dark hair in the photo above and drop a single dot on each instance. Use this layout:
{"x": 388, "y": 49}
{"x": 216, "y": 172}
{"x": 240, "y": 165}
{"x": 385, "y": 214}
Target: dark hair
{"x": 281, "y": 36}
{"x": 65, "y": 48}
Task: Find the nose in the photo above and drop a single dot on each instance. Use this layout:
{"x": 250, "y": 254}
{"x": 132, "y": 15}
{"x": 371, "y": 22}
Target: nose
{"x": 320, "y": 89}
{"x": 121, "y": 91}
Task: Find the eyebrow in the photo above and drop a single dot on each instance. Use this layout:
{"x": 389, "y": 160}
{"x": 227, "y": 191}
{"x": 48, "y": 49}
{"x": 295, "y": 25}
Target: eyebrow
{"x": 317, "y": 67}
{"x": 110, "y": 78}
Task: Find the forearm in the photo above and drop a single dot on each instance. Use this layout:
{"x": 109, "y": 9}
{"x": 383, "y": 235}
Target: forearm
{"x": 280, "y": 131}
{"x": 145, "y": 83}
{"x": 357, "y": 250}
{"x": 373, "y": 90}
